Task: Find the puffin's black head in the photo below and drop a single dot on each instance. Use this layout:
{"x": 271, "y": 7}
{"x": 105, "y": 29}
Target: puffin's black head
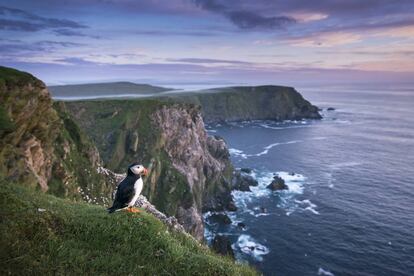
{"x": 137, "y": 169}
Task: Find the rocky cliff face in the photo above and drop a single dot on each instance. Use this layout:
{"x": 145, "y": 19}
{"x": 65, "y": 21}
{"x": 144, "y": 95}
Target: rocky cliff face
{"x": 268, "y": 102}
{"x": 189, "y": 171}
{"x": 25, "y": 147}
{"x": 202, "y": 160}
{"x": 40, "y": 144}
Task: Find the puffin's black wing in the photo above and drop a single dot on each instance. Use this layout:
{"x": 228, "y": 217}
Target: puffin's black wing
{"x": 123, "y": 196}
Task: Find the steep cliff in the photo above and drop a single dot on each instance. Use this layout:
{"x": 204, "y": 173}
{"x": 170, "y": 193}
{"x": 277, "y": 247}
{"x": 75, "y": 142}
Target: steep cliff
{"x": 41, "y": 146}
{"x": 189, "y": 171}
{"x": 268, "y": 102}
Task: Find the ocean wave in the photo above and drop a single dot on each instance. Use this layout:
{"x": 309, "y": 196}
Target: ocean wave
{"x": 208, "y": 235}
{"x": 270, "y": 126}
{"x": 324, "y": 272}
{"x": 307, "y": 205}
{"x": 240, "y": 153}
{"x": 341, "y": 165}
{"x": 251, "y": 247}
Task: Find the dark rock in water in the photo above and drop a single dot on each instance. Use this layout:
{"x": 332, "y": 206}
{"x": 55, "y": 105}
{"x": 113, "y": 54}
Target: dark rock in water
{"x": 220, "y": 218}
{"x": 291, "y": 173}
{"x": 246, "y": 170}
{"x": 330, "y": 109}
{"x": 263, "y": 209}
{"x": 231, "y": 206}
{"x": 277, "y": 184}
{"x": 222, "y": 245}
{"x": 242, "y": 181}
{"x": 241, "y": 225}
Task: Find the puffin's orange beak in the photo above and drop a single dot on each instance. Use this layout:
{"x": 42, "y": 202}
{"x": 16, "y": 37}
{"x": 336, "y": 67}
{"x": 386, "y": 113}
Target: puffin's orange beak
{"x": 145, "y": 172}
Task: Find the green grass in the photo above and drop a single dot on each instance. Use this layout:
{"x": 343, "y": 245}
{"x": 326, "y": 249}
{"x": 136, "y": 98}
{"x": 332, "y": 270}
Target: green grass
{"x": 6, "y": 123}
{"x": 77, "y": 239}
{"x": 13, "y": 75}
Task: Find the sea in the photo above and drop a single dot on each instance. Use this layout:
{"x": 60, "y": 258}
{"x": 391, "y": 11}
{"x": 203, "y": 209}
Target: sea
{"x": 349, "y": 209}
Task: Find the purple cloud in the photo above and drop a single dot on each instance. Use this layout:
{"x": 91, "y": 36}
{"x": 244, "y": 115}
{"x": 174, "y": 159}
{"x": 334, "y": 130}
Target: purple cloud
{"x": 208, "y": 60}
{"x": 245, "y": 19}
{"x": 26, "y": 21}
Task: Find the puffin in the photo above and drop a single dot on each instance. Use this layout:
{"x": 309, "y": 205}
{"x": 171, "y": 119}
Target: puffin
{"x": 129, "y": 189}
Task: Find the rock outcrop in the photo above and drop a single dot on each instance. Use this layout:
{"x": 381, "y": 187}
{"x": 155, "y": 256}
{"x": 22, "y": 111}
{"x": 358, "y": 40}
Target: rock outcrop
{"x": 277, "y": 184}
{"x": 219, "y": 218}
{"x": 242, "y": 180}
{"x": 222, "y": 245}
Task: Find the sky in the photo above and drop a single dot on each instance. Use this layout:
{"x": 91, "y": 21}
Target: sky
{"x": 292, "y": 42}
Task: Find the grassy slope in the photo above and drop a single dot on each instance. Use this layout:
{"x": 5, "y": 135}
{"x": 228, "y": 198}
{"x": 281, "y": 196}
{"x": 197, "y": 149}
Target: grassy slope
{"x": 266, "y": 102}
{"x": 93, "y": 89}
{"x": 77, "y": 238}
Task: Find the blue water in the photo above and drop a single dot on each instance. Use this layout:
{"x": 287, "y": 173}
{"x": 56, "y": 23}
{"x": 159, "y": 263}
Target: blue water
{"x": 350, "y": 205}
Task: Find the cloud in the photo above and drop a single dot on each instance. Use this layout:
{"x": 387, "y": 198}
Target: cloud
{"x": 208, "y": 61}
{"x": 308, "y": 16}
{"x": 175, "y": 33}
{"x": 70, "y": 32}
{"x": 246, "y": 19}
{"x": 19, "y": 20}
{"x": 13, "y": 48}
{"x": 74, "y": 61}
{"x": 325, "y": 40}
{"x": 250, "y": 20}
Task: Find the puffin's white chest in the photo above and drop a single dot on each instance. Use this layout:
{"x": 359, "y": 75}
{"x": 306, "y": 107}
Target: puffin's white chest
{"x": 138, "y": 189}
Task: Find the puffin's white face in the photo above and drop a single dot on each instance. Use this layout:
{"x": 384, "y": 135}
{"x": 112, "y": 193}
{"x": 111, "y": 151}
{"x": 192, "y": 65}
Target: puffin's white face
{"x": 139, "y": 170}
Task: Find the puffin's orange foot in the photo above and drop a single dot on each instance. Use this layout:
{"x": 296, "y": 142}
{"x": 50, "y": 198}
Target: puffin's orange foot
{"x": 132, "y": 210}
{"x": 135, "y": 210}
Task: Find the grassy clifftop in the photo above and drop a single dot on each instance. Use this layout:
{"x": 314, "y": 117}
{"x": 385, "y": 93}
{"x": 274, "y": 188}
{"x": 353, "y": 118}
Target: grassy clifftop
{"x": 104, "y": 89}
{"x": 42, "y": 234}
{"x": 266, "y": 102}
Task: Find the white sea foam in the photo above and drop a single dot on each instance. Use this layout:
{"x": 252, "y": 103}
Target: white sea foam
{"x": 331, "y": 179}
{"x": 251, "y": 247}
{"x": 324, "y": 272}
{"x": 341, "y": 165}
{"x": 237, "y": 152}
{"x": 307, "y": 205}
{"x": 284, "y": 127}
{"x": 240, "y": 153}
{"x": 269, "y": 147}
